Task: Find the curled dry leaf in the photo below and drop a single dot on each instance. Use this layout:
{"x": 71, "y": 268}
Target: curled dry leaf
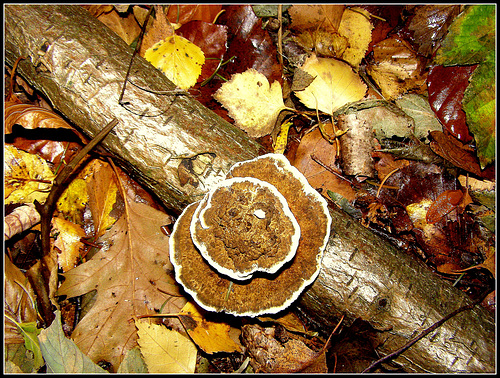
{"x": 252, "y": 102}
{"x": 335, "y": 85}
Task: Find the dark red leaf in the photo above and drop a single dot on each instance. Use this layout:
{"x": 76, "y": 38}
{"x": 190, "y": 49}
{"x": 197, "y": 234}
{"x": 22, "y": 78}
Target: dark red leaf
{"x": 446, "y": 86}
{"x": 211, "y": 39}
{"x": 251, "y": 46}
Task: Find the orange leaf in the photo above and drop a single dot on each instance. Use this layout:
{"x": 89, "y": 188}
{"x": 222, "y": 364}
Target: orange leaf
{"x": 445, "y": 203}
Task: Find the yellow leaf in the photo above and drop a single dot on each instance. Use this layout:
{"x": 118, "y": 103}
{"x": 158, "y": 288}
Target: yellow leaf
{"x": 356, "y": 27}
{"x": 210, "y": 336}
{"x": 73, "y": 200}
{"x": 68, "y": 242}
{"x": 27, "y": 177}
{"x": 281, "y": 141}
{"x": 164, "y": 350}
{"x": 334, "y": 86}
{"x": 252, "y": 102}
{"x": 179, "y": 59}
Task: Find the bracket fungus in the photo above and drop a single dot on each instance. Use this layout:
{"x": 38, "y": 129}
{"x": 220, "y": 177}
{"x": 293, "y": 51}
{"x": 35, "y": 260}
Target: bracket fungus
{"x": 254, "y": 242}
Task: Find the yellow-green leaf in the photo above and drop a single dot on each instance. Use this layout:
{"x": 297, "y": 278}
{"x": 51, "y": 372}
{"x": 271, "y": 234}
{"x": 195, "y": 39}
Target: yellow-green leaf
{"x": 252, "y": 102}
{"x": 165, "y": 350}
{"x": 179, "y": 59}
{"x": 27, "y": 177}
{"x": 335, "y": 85}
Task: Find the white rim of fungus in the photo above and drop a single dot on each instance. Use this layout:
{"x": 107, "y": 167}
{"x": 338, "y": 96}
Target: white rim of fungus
{"x": 308, "y": 190}
{"x": 205, "y": 204}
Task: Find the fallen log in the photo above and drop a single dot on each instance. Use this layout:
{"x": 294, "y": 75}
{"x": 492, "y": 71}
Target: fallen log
{"x": 80, "y": 66}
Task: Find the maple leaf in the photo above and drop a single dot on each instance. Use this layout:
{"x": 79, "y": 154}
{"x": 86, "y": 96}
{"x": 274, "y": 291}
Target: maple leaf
{"x": 131, "y": 280}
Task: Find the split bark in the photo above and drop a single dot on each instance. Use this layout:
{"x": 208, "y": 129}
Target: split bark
{"x": 79, "y": 65}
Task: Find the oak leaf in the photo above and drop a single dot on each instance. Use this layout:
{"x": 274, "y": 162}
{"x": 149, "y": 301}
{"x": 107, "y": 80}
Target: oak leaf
{"x": 130, "y": 275}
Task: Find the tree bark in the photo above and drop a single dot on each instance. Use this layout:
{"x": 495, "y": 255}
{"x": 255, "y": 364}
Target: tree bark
{"x": 81, "y": 72}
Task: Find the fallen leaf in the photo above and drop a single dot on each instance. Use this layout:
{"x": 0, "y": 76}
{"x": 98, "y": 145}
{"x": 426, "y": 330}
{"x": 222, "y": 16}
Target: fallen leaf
{"x": 183, "y": 13}
{"x": 430, "y": 23}
{"x": 446, "y": 87}
{"x": 133, "y": 363}
{"x": 356, "y": 27}
{"x": 480, "y": 107}
{"x": 444, "y": 203}
{"x": 178, "y": 58}
{"x": 471, "y": 37}
{"x": 165, "y": 350}
{"x": 396, "y": 68}
{"x": 131, "y": 280}
{"x": 306, "y": 16}
{"x": 27, "y": 177}
{"x": 125, "y": 26}
{"x": 249, "y": 44}
{"x": 61, "y": 354}
{"x": 68, "y": 242}
{"x": 418, "y": 108}
{"x": 73, "y": 200}
{"x": 212, "y": 337}
{"x": 252, "y": 102}
{"x": 335, "y": 85}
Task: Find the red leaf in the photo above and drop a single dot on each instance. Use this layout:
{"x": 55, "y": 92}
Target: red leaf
{"x": 184, "y": 13}
{"x": 446, "y": 202}
{"x": 446, "y": 86}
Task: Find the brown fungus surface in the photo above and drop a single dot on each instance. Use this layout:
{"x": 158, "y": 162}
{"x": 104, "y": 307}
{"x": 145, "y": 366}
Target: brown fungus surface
{"x": 245, "y": 226}
{"x": 264, "y": 293}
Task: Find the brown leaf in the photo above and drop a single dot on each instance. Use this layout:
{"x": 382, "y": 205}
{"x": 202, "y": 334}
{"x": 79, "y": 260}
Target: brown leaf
{"x": 315, "y": 16}
{"x": 456, "y": 153}
{"x": 396, "y": 68}
{"x": 183, "y": 13}
{"x": 32, "y": 117}
{"x": 430, "y": 23}
{"x": 251, "y": 45}
{"x": 313, "y": 143}
{"x": 126, "y": 27}
{"x": 444, "y": 203}
{"x": 130, "y": 279}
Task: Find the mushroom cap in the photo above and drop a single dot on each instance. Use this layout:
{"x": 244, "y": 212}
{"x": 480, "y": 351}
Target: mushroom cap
{"x": 243, "y": 226}
{"x": 264, "y": 292}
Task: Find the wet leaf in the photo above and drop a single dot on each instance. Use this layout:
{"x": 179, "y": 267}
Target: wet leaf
{"x": 252, "y": 102}
{"x": 355, "y": 26}
{"x": 471, "y": 37}
{"x": 444, "y": 203}
{"x": 418, "y": 108}
{"x": 480, "y": 107}
{"x": 165, "y": 350}
{"x": 396, "y": 68}
{"x": 211, "y": 39}
{"x": 249, "y": 44}
{"x": 130, "y": 280}
{"x": 179, "y": 59}
{"x": 335, "y": 85}
{"x": 430, "y": 23}
{"x": 446, "y": 87}
{"x": 61, "y": 354}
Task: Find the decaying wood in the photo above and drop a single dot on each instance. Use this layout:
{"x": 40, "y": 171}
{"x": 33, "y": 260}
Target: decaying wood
{"x": 80, "y": 66}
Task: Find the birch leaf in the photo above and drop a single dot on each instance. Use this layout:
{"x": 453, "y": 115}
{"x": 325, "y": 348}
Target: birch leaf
{"x": 178, "y": 58}
{"x": 165, "y": 350}
{"x": 335, "y": 85}
{"x": 252, "y": 102}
